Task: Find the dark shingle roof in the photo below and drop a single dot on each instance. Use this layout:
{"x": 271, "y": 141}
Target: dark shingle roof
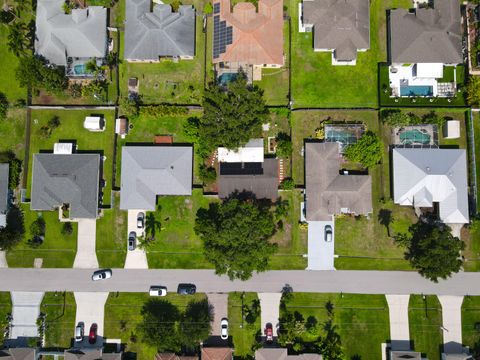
{"x": 4, "y": 170}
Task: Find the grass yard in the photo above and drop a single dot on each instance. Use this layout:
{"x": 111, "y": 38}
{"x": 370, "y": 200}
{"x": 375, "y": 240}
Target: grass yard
{"x": 243, "y": 334}
{"x": 167, "y": 81}
{"x": 111, "y": 244}
{"x": 470, "y": 319}
{"x": 71, "y": 128}
{"x": 60, "y": 309}
{"x": 425, "y": 319}
{"x": 14, "y": 126}
{"x": 362, "y": 320}
{"x": 123, "y": 315}
{"x": 5, "y": 310}
{"x": 57, "y": 250}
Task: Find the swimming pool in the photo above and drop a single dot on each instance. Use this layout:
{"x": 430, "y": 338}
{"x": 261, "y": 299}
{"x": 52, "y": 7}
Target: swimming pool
{"x": 415, "y": 136}
{"x": 416, "y": 90}
{"x": 342, "y": 136}
{"x": 226, "y": 78}
{"x": 79, "y": 69}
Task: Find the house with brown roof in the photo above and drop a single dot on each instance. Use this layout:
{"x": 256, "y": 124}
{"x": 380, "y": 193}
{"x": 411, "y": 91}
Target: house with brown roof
{"x": 18, "y": 354}
{"x": 217, "y": 353}
{"x": 172, "y": 356}
{"x": 282, "y": 354}
{"x": 247, "y": 37}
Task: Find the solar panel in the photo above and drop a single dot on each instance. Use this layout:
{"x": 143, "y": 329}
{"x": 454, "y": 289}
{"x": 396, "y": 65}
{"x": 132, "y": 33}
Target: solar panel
{"x": 216, "y": 8}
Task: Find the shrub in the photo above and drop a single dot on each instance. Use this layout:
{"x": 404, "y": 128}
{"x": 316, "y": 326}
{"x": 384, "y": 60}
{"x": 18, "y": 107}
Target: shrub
{"x": 37, "y": 228}
{"x": 368, "y": 150}
{"x": 287, "y": 184}
{"x": 284, "y": 145}
{"x": 207, "y": 174}
{"x": 67, "y": 228}
{"x": 14, "y": 172}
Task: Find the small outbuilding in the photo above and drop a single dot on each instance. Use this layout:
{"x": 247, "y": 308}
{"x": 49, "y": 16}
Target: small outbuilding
{"x": 121, "y": 127}
{"x": 451, "y": 129}
{"x": 94, "y": 123}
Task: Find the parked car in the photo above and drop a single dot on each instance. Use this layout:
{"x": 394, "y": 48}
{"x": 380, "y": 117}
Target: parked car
{"x": 328, "y": 233}
{"x": 132, "y": 240}
{"x": 158, "y": 291}
{"x": 79, "y": 331}
{"x": 102, "y": 274}
{"x": 224, "y": 329}
{"x": 92, "y": 335}
{"x": 269, "y": 332}
{"x": 186, "y": 289}
{"x": 140, "y": 220}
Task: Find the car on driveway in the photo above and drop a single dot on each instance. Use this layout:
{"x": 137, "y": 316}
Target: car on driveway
{"x": 158, "y": 291}
{"x": 186, "y": 289}
{"x": 328, "y": 233}
{"x": 224, "y": 329}
{"x": 140, "y": 220}
{"x": 92, "y": 335}
{"x": 269, "y": 332}
{"x": 79, "y": 331}
{"x": 102, "y": 274}
{"x": 132, "y": 241}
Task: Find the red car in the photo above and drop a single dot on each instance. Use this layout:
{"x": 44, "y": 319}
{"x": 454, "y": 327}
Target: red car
{"x": 269, "y": 332}
{"x": 92, "y": 335}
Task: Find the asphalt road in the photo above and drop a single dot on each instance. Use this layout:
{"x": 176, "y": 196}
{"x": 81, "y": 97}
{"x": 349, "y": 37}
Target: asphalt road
{"x": 137, "y": 280}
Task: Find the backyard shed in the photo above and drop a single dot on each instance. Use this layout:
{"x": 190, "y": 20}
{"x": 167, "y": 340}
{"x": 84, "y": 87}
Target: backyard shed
{"x": 121, "y": 127}
{"x": 94, "y": 123}
{"x": 451, "y": 129}
{"x": 63, "y": 148}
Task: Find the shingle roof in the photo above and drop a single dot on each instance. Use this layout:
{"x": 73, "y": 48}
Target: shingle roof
{"x": 4, "y": 171}
{"x": 343, "y": 25}
{"x": 161, "y": 32}
{"x": 83, "y": 33}
{"x": 172, "y": 356}
{"x": 18, "y": 354}
{"x": 148, "y": 171}
{"x": 214, "y": 353}
{"x": 405, "y": 355}
{"x": 66, "y": 179}
{"x": 427, "y": 35}
{"x": 424, "y": 176}
{"x": 257, "y": 36}
{"x": 90, "y": 354}
{"x": 327, "y": 191}
{"x": 282, "y": 354}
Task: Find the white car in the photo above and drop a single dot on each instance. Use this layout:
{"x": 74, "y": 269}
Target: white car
{"x": 224, "y": 329}
{"x": 158, "y": 291}
{"x": 102, "y": 274}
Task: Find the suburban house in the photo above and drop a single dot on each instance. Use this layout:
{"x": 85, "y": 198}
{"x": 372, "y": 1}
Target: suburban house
{"x": 330, "y": 192}
{"x": 341, "y": 27}
{"x": 159, "y": 33}
{"x": 70, "y": 40}
{"x": 432, "y": 178}
{"x": 66, "y": 181}
{"x": 173, "y": 356}
{"x": 402, "y": 355}
{"x": 217, "y": 353}
{"x": 22, "y": 353}
{"x": 282, "y": 354}
{"x": 4, "y": 194}
{"x": 462, "y": 356}
{"x": 247, "y": 38}
{"x": 246, "y": 169}
{"x": 151, "y": 171}
{"x": 90, "y": 354}
{"x": 425, "y": 45}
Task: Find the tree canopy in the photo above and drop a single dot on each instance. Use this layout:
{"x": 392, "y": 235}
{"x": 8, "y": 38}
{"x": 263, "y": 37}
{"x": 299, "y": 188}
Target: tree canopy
{"x": 235, "y": 236}
{"x": 473, "y": 90}
{"x": 33, "y": 72}
{"x": 368, "y": 150}
{"x": 3, "y": 106}
{"x": 13, "y": 233}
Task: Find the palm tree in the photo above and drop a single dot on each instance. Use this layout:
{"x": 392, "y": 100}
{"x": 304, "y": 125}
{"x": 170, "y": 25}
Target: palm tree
{"x": 17, "y": 40}
{"x": 151, "y": 226}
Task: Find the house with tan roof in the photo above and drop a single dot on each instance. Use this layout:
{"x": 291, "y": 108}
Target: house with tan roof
{"x": 247, "y": 37}
{"x": 217, "y": 353}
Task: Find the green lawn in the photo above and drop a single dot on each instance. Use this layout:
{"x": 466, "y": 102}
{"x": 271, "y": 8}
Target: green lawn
{"x": 111, "y": 236}
{"x": 14, "y": 126}
{"x": 57, "y": 250}
{"x": 242, "y": 333}
{"x": 476, "y": 130}
{"x": 60, "y": 309}
{"x": 5, "y": 309}
{"x": 362, "y": 320}
{"x": 471, "y": 317}
{"x": 123, "y": 315}
{"x": 425, "y": 319}
{"x": 167, "y": 81}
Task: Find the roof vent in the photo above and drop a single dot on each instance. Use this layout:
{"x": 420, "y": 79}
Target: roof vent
{"x": 428, "y": 169}
{"x": 171, "y": 167}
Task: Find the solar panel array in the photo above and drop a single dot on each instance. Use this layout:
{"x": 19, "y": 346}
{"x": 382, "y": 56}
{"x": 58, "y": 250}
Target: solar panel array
{"x": 222, "y": 34}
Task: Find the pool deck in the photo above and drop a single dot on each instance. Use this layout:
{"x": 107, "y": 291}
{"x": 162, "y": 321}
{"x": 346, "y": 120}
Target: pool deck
{"x": 429, "y": 129}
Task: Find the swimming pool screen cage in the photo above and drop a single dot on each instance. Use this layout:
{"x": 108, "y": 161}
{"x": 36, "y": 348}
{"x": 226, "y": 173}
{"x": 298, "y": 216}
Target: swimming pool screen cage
{"x": 415, "y": 136}
{"x": 344, "y": 134}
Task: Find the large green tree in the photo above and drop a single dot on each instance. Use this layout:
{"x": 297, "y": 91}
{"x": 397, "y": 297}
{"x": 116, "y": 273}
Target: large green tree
{"x": 232, "y": 115}
{"x": 367, "y": 150}
{"x": 14, "y": 232}
{"x": 33, "y": 72}
{"x": 235, "y": 235}
{"x": 195, "y": 324}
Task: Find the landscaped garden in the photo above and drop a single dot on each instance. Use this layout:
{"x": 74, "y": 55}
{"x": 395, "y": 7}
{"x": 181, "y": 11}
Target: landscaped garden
{"x": 59, "y": 309}
{"x": 5, "y": 311}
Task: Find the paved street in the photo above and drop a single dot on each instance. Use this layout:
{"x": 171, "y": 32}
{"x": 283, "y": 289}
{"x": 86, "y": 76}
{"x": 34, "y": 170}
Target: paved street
{"x": 136, "y": 280}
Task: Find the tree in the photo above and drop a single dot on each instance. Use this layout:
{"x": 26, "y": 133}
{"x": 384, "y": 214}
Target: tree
{"x": 292, "y": 325}
{"x": 287, "y": 184}
{"x": 432, "y": 249}
{"x": 284, "y": 145}
{"x": 18, "y": 41}
{"x": 129, "y": 106}
{"x": 396, "y": 117}
{"x": 367, "y": 150}
{"x": 195, "y": 324}
{"x": 13, "y": 233}
{"x": 232, "y": 116}
{"x": 54, "y": 122}
{"x": 473, "y": 90}
{"x": 33, "y": 72}
{"x": 151, "y": 226}
{"x": 37, "y": 228}
{"x": 67, "y": 228}
{"x": 3, "y": 106}
{"x": 235, "y": 236}
{"x": 208, "y": 8}
{"x": 207, "y": 174}
{"x": 6, "y": 16}
{"x": 385, "y": 218}
{"x": 330, "y": 346}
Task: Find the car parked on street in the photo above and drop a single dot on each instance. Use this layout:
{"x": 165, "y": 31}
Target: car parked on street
{"x": 158, "y": 291}
{"x": 92, "y": 335}
{"x": 79, "y": 331}
{"x": 186, "y": 289}
{"x": 102, "y": 274}
{"x": 132, "y": 241}
{"x": 224, "y": 329}
{"x": 140, "y": 220}
{"x": 328, "y": 233}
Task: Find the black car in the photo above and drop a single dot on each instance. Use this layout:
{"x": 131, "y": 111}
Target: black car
{"x": 186, "y": 289}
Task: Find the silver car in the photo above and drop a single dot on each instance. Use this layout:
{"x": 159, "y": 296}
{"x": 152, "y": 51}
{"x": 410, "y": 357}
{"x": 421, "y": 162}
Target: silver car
{"x": 140, "y": 220}
{"x": 328, "y": 233}
{"x": 102, "y": 274}
{"x": 79, "y": 331}
{"x": 132, "y": 241}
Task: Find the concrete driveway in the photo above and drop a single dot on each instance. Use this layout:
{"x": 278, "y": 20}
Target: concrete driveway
{"x": 399, "y": 328}
{"x": 270, "y": 305}
{"x": 320, "y": 252}
{"x": 90, "y": 309}
{"x": 26, "y": 309}
{"x": 219, "y": 302}
{"x": 3, "y": 259}
{"x": 452, "y": 323}
{"x": 86, "y": 257}
{"x": 136, "y": 259}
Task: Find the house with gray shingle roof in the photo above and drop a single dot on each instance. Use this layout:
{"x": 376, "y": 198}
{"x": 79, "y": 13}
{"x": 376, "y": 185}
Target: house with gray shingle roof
{"x": 61, "y": 37}
{"x": 153, "y": 34}
{"x": 4, "y": 194}
{"x": 341, "y": 27}
{"x": 421, "y": 43}
{"x": 150, "y": 171}
{"x": 72, "y": 179}
{"x": 18, "y": 354}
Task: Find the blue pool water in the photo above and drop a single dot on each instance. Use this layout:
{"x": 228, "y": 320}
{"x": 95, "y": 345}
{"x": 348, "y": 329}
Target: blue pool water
{"x": 416, "y": 90}
{"x": 79, "y": 69}
{"x": 225, "y": 78}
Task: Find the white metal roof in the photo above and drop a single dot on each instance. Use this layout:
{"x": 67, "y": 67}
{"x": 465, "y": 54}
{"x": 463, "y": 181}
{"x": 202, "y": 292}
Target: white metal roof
{"x": 452, "y": 128}
{"x": 93, "y": 123}
{"x": 430, "y": 70}
{"x": 63, "y": 148}
{"x": 251, "y": 152}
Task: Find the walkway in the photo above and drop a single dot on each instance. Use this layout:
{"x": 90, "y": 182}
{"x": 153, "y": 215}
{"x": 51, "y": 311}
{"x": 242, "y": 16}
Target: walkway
{"x": 86, "y": 257}
{"x": 26, "y": 309}
{"x": 90, "y": 309}
{"x": 270, "y": 305}
{"x": 399, "y": 328}
{"x": 3, "y": 259}
{"x": 219, "y": 302}
{"x": 452, "y": 323}
{"x": 136, "y": 259}
{"x": 320, "y": 252}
